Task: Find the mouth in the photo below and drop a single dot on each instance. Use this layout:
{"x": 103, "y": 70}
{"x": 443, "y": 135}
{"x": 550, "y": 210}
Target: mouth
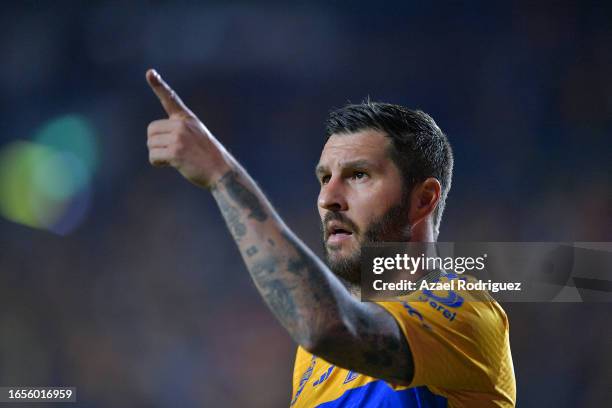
{"x": 337, "y": 233}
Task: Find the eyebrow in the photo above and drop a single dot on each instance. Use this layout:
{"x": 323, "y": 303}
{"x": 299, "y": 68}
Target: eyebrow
{"x": 361, "y": 163}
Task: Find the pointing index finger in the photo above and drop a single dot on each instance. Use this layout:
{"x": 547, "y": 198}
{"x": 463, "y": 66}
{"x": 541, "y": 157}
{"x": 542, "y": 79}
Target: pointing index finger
{"x": 169, "y": 99}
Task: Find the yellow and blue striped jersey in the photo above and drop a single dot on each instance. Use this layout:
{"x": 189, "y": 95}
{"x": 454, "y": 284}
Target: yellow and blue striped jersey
{"x": 461, "y": 350}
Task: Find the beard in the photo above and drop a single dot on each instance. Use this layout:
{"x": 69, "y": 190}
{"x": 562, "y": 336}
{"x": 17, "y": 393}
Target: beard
{"x": 392, "y": 226}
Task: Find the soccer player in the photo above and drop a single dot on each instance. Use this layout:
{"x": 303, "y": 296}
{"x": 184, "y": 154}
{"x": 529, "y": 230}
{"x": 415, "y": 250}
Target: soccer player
{"x": 384, "y": 173}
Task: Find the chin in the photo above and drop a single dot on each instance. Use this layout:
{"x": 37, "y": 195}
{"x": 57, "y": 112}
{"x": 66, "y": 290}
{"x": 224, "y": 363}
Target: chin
{"x": 345, "y": 263}
{"x": 337, "y": 253}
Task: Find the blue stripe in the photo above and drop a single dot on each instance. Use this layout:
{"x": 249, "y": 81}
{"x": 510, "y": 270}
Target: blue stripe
{"x": 416, "y": 397}
{"x": 380, "y": 394}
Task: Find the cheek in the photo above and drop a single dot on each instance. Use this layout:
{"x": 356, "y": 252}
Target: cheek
{"x": 372, "y": 205}
{"x": 363, "y": 212}
{"x": 321, "y": 214}
{"x": 368, "y": 203}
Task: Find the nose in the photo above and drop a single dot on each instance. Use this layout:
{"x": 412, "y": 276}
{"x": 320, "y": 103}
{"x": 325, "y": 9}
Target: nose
{"x": 332, "y": 196}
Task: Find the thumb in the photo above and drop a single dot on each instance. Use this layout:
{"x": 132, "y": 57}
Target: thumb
{"x": 169, "y": 99}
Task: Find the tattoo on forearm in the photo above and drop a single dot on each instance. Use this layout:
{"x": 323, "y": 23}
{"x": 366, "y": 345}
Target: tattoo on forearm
{"x": 264, "y": 268}
{"x": 252, "y": 250}
{"x": 278, "y": 295}
{"x": 303, "y": 266}
{"x": 280, "y": 299}
{"x": 243, "y": 196}
{"x": 296, "y": 265}
{"x": 232, "y": 217}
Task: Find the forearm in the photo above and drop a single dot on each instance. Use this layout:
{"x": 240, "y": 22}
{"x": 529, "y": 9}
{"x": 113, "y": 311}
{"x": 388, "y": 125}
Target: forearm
{"x": 300, "y": 290}
{"x": 306, "y": 297}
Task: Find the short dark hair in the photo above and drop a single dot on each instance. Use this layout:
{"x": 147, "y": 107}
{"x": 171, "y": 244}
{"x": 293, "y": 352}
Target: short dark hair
{"x": 419, "y": 148}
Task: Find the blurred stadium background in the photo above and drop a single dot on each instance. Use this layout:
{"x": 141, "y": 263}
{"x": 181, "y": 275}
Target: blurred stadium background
{"x": 122, "y": 280}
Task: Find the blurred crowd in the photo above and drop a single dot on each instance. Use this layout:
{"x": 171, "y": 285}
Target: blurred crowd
{"x": 146, "y": 301}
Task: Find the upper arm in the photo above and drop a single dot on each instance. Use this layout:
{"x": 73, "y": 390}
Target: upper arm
{"x": 459, "y": 345}
{"x": 368, "y": 340}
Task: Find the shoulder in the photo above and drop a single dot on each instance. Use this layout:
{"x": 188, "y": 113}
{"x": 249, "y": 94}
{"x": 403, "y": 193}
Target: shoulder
{"x": 449, "y": 307}
{"x": 452, "y": 329}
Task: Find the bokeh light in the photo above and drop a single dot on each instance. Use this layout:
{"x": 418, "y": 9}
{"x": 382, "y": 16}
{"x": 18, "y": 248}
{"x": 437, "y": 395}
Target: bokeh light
{"x": 60, "y": 175}
{"x": 46, "y": 184}
{"x": 71, "y": 134}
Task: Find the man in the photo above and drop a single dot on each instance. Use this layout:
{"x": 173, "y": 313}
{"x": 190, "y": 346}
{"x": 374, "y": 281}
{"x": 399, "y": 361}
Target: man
{"x": 384, "y": 172}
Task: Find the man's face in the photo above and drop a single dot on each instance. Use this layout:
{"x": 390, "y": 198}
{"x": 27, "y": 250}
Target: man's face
{"x": 361, "y": 198}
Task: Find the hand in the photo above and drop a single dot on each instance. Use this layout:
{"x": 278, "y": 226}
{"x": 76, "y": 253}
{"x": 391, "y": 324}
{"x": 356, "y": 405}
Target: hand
{"x": 182, "y": 141}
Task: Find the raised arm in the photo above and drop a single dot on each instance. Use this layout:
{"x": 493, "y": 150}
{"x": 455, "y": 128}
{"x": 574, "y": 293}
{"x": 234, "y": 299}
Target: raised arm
{"x": 306, "y": 297}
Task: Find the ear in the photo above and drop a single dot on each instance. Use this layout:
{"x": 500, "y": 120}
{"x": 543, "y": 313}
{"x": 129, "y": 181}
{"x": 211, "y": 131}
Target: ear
{"x": 424, "y": 200}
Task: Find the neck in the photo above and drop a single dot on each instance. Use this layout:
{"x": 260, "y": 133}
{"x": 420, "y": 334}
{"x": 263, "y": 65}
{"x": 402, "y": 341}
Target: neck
{"x": 422, "y": 242}
{"x": 353, "y": 288}
{"x": 415, "y": 249}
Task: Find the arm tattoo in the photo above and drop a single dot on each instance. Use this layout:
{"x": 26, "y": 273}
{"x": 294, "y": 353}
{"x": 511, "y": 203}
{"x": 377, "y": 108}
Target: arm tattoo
{"x": 232, "y": 218}
{"x": 245, "y": 198}
{"x": 276, "y": 293}
{"x": 308, "y": 300}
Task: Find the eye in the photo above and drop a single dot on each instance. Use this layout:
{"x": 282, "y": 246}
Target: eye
{"x": 358, "y": 175}
{"x": 325, "y": 179}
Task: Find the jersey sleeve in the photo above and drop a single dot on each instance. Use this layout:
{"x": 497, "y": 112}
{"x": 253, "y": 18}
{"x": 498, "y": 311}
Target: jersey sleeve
{"x": 301, "y": 362}
{"x": 454, "y": 344}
